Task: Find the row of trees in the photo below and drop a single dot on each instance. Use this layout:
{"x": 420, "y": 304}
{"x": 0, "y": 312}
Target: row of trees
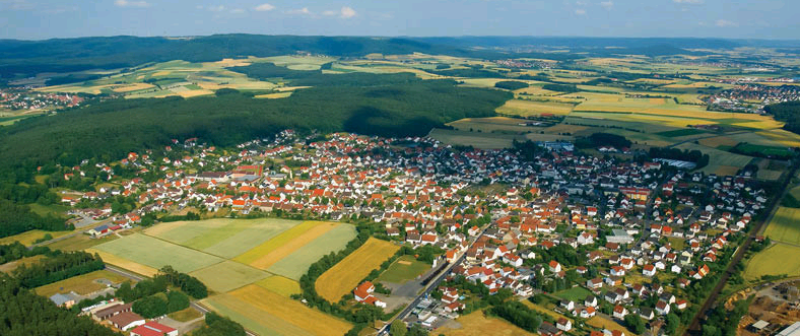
{"x": 518, "y": 314}
{"x": 58, "y": 267}
{"x": 217, "y": 325}
{"x": 160, "y": 304}
{"x": 16, "y": 251}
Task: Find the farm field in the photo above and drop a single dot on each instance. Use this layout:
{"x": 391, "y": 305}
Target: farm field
{"x": 28, "y": 237}
{"x": 774, "y": 261}
{"x": 280, "y": 285}
{"x": 156, "y": 253}
{"x": 475, "y": 139}
{"x": 80, "y": 242}
{"x": 601, "y": 323}
{"x": 720, "y": 162}
{"x": 82, "y": 284}
{"x": 225, "y": 238}
{"x": 477, "y": 324}
{"x": 228, "y": 275}
{"x": 576, "y": 294}
{"x": 268, "y": 313}
{"x": 265, "y": 248}
{"x": 345, "y": 275}
{"x": 493, "y": 124}
{"x": 293, "y": 242}
{"x": 403, "y": 269}
{"x": 785, "y": 226}
{"x": 294, "y": 265}
{"x": 525, "y": 108}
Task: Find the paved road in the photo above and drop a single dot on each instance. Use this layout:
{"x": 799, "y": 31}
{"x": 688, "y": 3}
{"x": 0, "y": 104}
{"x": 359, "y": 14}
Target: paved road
{"x": 695, "y": 328}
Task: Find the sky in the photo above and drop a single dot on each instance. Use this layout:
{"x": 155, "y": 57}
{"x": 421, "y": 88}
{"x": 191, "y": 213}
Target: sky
{"x": 748, "y": 19}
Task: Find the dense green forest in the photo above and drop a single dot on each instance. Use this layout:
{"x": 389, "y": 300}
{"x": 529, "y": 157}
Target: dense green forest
{"x": 114, "y": 128}
{"x": 58, "y": 267}
{"x": 789, "y": 113}
{"x": 23, "y": 313}
{"x": 16, "y": 218}
{"x": 511, "y": 85}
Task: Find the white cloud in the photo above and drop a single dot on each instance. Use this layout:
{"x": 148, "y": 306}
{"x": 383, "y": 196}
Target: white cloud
{"x": 126, "y": 3}
{"x": 688, "y": 2}
{"x": 301, "y": 11}
{"x": 264, "y": 7}
{"x": 216, "y": 8}
{"x": 725, "y": 23}
{"x": 237, "y": 11}
{"x": 607, "y": 4}
{"x": 348, "y": 12}
{"x": 580, "y": 11}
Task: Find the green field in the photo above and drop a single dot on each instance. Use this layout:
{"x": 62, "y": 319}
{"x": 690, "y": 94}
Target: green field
{"x": 297, "y": 263}
{"x": 681, "y": 132}
{"x": 81, "y": 284}
{"x": 775, "y": 260}
{"x": 577, "y": 294}
{"x": 228, "y": 275}
{"x": 157, "y": 253}
{"x": 476, "y": 139}
{"x": 785, "y": 226}
{"x": 720, "y": 162}
{"x": 225, "y": 238}
{"x": 403, "y": 269}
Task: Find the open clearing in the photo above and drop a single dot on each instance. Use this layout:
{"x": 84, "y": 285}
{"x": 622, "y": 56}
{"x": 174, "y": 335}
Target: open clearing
{"x": 81, "y": 284}
{"x": 785, "y": 226}
{"x": 774, "y": 260}
{"x": 525, "y": 108}
{"x": 228, "y": 275}
{"x": 403, "y": 269}
{"x": 280, "y": 285}
{"x": 477, "y": 324}
{"x": 268, "y": 313}
{"x": 345, "y": 275}
{"x": 226, "y": 238}
{"x": 156, "y": 253}
{"x": 296, "y": 264}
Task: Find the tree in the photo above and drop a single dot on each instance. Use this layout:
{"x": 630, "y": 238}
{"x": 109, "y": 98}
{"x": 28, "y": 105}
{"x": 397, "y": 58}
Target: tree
{"x": 673, "y": 322}
{"x": 398, "y": 328}
{"x": 635, "y": 323}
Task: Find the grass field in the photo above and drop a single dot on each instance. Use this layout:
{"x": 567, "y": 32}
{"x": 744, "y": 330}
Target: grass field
{"x": 156, "y": 253}
{"x": 775, "y": 260}
{"x": 493, "y": 124}
{"x": 264, "y": 249}
{"x": 284, "y": 245}
{"x": 476, "y": 139}
{"x": 296, "y": 264}
{"x": 576, "y": 294}
{"x": 80, "y": 242}
{"x": 345, "y": 276}
{"x": 719, "y": 159}
{"x": 222, "y": 237}
{"x": 601, "y": 323}
{"x": 82, "y": 284}
{"x": 477, "y": 324}
{"x": 403, "y": 269}
{"x": 280, "y": 285}
{"x": 28, "y": 237}
{"x": 785, "y": 226}
{"x": 186, "y": 315}
{"x": 268, "y": 313}
{"x": 228, "y": 275}
{"x": 525, "y": 108}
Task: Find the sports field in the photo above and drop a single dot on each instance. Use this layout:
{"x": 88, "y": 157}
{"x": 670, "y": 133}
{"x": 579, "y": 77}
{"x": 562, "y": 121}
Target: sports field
{"x": 157, "y": 253}
{"x": 294, "y": 265}
{"x": 775, "y": 260}
{"x": 345, "y": 275}
{"x": 268, "y": 313}
{"x": 222, "y": 237}
{"x": 785, "y": 226}
{"x": 477, "y": 324}
{"x": 228, "y": 275}
{"x": 403, "y": 269}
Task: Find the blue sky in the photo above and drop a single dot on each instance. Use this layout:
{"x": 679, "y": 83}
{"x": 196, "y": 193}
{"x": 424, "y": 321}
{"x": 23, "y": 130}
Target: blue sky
{"x": 763, "y": 19}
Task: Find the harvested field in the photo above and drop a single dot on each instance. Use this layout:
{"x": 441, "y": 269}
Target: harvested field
{"x": 774, "y": 261}
{"x": 28, "y": 237}
{"x": 477, "y": 324}
{"x": 785, "y": 226}
{"x": 11, "y": 266}
{"x": 280, "y": 285}
{"x": 228, "y": 275}
{"x": 720, "y": 141}
{"x": 344, "y": 276}
{"x": 123, "y": 263}
{"x": 602, "y": 323}
{"x": 525, "y": 108}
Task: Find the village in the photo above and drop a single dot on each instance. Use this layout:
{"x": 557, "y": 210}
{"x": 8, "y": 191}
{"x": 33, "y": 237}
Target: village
{"x": 584, "y": 236}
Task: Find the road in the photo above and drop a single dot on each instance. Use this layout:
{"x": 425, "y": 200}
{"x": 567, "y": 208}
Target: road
{"x": 431, "y": 286}
{"x": 695, "y": 328}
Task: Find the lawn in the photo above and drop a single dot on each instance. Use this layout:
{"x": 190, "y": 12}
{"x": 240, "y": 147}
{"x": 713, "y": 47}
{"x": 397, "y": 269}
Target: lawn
{"x": 345, "y": 275}
{"x": 280, "y": 285}
{"x": 478, "y": 324}
{"x": 785, "y": 226}
{"x": 81, "y": 284}
{"x": 677, "y": 243}
{"x": 268, "y": 313}
{"x": 577, "y": 294}
{"x": 222, "y": 237}
{"x": 403, "y": 269}
{"x": 297, "y": 263}
{"x": 775, "y": 260}
{"x": 228, "y": 275}
{"x": 156, "y": 253}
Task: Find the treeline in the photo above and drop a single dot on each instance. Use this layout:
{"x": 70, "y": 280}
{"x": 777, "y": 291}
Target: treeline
{"x": 511, "y": 85}
{"x": 16, "y": 251}
{"x": 788, "y": 112}
{"x": 518, "y": 314}
{"x": 570, "y": 88}
{"x": 696, "y": 156}
{"x": 58, "y": 267}
{"x": 160, "y": 304}
{"x": 115, "y": 128}
{"x": 23, "y": 313}
{"x": 18, "y": 218}
{"x": 219, "y": 326}
{"x": 603, "y": 139}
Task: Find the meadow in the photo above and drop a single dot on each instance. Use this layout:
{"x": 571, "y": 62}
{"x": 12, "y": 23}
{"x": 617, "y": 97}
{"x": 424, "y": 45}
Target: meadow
{"x": 81, "y": 284}
{"x": 525, "y": 108}
{"x": 785, "y": 226}
{"x": 343, "y": 277}
{"x": 774, "y": 261}
{"x": 29, "y": 237}
{"x": 577, "y": 294}
{"x": 403, "y": 269}
{"x": 476, "y": 139}
{"x": 273, "y": 250}
{"x": 294, "y": 265}
{"x": 156, "y": 253}
{"x": 228, "y": 275}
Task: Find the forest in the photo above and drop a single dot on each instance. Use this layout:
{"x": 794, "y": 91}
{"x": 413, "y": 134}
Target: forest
{"x": 789, "y": 113}
{"x": 57, "y": 267}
